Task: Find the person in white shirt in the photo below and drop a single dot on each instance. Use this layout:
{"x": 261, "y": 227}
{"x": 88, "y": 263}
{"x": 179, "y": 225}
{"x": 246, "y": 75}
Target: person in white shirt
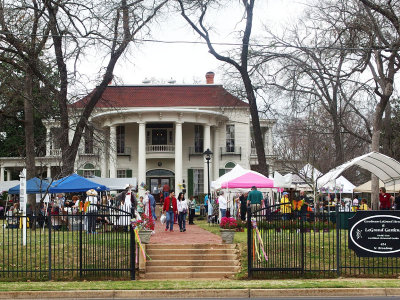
{"x": 182, "y": 211}
{"x": 91, "y": 211}
{"x": 222, "y": 204}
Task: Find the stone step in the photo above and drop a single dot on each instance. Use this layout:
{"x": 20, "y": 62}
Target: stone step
{"x": 191, "y": 246}
{"x": 195, "y": 269}
{"x": 180, "y": 262}
{"x": 151, "y": 251}
{"x": 193, "y": 256}
{"x": 188, "y": 275}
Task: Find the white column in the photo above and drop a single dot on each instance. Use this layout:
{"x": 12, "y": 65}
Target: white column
{"x": 113, "y": 152}
{"x": 141, "y": 156}
{"x": 48, "y": 171}
{"x": 48, "y": 141}
{"x": 8, "y": 175}
{"x": 178, "y": 157}
{"x": 215, "y": 157}
{"x": 207, "y": 145}
{"x": 2, "y": 169}
{"x": 103, "y": 162}
{"x": 270, "y": 148}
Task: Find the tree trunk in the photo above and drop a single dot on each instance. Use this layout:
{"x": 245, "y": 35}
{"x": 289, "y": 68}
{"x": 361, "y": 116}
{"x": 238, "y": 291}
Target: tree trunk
{"x": 258, "y": 140}
{"x": 337, "y": 137}
{"x": 387, "y": 129}
{"x": 29, "y": 134}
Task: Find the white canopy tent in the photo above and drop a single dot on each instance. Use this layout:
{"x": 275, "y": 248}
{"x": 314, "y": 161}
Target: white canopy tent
{"x": 341, "y": 184}
{"x": 366, "y": 188}
{"x": 384, "y": 167}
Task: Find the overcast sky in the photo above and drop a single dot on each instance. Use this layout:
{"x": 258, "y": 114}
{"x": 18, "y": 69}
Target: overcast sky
{"x": 187, "y": 63}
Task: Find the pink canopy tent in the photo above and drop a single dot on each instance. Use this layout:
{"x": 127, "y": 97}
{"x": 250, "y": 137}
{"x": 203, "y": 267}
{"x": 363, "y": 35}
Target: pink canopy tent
{"x": 249, "y": 179}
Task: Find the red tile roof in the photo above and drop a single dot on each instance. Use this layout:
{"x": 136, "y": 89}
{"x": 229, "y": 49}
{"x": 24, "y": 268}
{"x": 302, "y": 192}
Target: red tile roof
{"x": 165, "y": 95}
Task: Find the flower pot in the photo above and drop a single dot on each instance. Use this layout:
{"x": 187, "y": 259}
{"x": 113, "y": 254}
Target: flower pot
{"x": 227, "y": 235}
{"x": 144, "y": 236}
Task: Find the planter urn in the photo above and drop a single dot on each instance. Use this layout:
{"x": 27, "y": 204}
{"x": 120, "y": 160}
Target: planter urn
{"x": 145, "y": 236}
{"x": 227, "y": 235}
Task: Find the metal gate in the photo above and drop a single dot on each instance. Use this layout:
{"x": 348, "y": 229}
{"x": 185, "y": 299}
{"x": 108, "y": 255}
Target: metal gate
{"x": 68, "y": 244}
{"x": 312, "y": 244}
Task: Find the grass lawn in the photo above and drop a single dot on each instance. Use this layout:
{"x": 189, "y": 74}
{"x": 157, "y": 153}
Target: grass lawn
{"x": 199, "y": 284}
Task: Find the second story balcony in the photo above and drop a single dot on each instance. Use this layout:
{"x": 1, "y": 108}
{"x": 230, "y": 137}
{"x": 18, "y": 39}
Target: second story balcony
{"x": 55, "y": 152}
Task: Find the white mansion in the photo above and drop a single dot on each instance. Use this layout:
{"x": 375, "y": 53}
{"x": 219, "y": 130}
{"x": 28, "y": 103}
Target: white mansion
{"x": 158, "y": 133}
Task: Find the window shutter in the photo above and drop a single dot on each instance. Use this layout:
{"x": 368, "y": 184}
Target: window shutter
{"x": 221, "y": 172}
{"x": 80, "y": 172}
{"x": 97, "y": 173}
{"x": 129, "y": 173}
{"x": 190, "y": 183}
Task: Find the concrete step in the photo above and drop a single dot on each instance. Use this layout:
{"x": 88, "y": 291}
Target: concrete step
{"x": 193, "y": 257}
{"x": 180, "y": 262}
{"x": 188, "y": 275}
{"x": 195, "y": 269}
{"x": 191, "y": 246}
{"x": 151, "y": 251}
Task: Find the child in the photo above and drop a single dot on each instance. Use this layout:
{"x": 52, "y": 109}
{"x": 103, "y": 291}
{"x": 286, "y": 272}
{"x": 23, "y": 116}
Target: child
{"x": 140, "y": 206}
{"x": 364, "y": 205}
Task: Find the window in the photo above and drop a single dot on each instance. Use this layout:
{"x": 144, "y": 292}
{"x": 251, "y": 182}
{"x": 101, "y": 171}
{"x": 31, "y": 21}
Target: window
{"x": 198, "y": 138}
{"x": 121, "y": 139}
{"x": 121, "y": 174}
{"x": 230, "y": 138}
{"x": 88, "y": 173}
{"x": 198, "y": 181}
{"x": 89, "y": 140}
{"x": 55, "y": 134}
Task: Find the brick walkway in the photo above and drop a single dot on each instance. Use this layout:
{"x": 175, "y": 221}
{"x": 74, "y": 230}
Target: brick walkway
{"x": 193, "y": 235}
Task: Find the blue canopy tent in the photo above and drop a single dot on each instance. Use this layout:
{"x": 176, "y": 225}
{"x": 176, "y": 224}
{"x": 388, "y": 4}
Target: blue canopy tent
{"x": 75, "y": 183}
{"x": 34, "y": 186}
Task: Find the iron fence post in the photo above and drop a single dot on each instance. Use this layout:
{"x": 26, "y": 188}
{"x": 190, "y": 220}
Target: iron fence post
{"x": 132, "y": 250}
{"x": 337, "y": 241}
{"x": 249, "y": 243}
{"x": 302, "y": 214}
{"x": 49, "y": 227}
{"x": 80, "y": 244}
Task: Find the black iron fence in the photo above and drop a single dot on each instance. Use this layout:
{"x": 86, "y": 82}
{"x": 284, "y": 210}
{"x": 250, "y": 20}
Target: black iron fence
{"x": 67, "y": 244}
{"x": 308, "y": 244}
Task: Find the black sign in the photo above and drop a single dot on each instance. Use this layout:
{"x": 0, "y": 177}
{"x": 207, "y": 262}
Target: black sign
{"x": 375, "y": 233}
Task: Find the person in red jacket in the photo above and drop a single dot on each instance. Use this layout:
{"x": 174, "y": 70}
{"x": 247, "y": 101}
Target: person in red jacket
{"x": 385, "y": 199}
{"x": 170, "y": 208}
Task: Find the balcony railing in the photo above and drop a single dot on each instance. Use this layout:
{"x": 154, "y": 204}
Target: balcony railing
{"x": 160, "y": 148}
{"x": 231, "y": 151}
{"x": 55, "y": 152}
{"x": 254, "y": 152}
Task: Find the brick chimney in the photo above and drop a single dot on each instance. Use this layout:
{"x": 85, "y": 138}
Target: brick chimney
{"x": 210, "y": 77}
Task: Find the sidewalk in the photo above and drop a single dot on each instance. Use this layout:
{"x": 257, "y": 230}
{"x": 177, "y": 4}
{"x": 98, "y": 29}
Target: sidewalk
{"x": 193, "y": 235}
{"x": 203, "y": 293}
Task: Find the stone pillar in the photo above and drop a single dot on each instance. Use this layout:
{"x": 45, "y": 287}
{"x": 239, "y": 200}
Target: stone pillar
{"x": 207, "y": 145}
{"x": 141, "y": 157}
{"x": 113, "y": 152}
{"x": 2, "y": 169}
{"x": 48, "y": 175}
{"x": 215, "y": 157}
{"x": 178, "y": 157}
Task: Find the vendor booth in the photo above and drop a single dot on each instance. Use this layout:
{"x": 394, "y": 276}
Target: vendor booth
{"x": 75, "y": 183}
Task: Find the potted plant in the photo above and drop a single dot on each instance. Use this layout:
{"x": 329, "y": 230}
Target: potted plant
{"x": 145, "y": 227}
{"x": 228, "y": 227}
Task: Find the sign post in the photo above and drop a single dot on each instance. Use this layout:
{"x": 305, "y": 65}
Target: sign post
{"x": 375, "y": 233}
{"x": 22, "y": 203}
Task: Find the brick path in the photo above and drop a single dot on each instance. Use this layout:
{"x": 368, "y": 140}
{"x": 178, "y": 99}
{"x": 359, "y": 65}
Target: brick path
{"x": 193, "y": 235}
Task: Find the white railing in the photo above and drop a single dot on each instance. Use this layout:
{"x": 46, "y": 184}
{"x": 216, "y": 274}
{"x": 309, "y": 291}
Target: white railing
{"x": 160, "y": 148}
{"x": 55, "y": 152}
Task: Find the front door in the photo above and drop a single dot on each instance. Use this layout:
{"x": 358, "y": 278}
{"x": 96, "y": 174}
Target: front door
{"x": 159, "y": 137}
{"x": 156, "y": 186}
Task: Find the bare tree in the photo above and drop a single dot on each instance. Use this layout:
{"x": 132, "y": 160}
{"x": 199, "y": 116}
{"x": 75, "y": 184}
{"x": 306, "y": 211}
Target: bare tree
{"x": 194, "y": 12}
{"x": 73, "y": 29}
